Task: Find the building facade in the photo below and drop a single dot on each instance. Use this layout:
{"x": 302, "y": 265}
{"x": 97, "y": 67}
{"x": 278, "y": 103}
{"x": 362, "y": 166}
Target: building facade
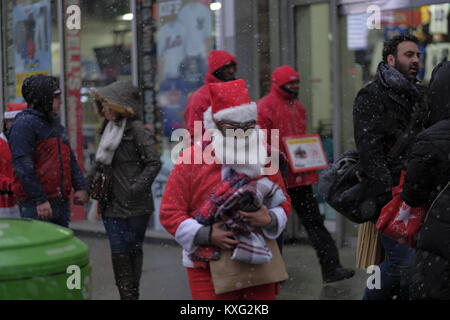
{"x": 162, "y": 45}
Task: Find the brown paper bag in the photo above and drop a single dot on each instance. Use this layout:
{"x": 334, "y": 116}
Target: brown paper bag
{"x": 229, "y": 275}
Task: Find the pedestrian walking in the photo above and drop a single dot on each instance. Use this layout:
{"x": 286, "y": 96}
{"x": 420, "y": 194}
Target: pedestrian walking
{"x": 126, "y": 164}
{"x": 222, "y": 67}
{"x": 382, "y": 111}
{"x": 218, "y": 206}
{"x": 8, "y": 204}
{"x": 282, "y": 110}
{"x": 45, "y": 168}
{"x": 427, "y": 175}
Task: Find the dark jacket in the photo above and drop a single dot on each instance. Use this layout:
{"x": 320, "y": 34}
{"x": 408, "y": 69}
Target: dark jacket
{"x": 427, "y": 175}
{"x": 136, "y": 161}
{"x": 44, "y": 164}
{"x": 382, "y": 111}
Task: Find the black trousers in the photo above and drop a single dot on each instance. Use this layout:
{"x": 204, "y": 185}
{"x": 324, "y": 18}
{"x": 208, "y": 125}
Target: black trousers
{"x": 307, "y": 208}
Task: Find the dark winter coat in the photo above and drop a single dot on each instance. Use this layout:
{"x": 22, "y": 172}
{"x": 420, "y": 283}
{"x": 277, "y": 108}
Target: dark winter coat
{"x": 382, "y": 111}
{"x": 200, "y": 100}
{"x": 136, "y": 161}
{"x": 427, "y": 174}
{"x": 44, "y": 164}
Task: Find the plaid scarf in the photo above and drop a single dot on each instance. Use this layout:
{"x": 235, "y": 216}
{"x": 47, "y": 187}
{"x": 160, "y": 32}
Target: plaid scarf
{"x": 238, "y": 192}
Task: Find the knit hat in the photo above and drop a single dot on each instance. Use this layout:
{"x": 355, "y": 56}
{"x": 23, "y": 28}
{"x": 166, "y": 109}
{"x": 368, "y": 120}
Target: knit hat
{"x": 219, "y": 58}
{"x": 230, "y": 102}
{"x": 12, "y": 109}
{"x": 283, "y": 75}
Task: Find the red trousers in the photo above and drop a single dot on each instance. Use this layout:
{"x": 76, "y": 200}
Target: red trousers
{"x": 202, "y": 288}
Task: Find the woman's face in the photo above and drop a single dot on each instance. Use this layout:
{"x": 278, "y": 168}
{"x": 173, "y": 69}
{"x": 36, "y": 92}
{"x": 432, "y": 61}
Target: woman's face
{"x": 109, "y": 114}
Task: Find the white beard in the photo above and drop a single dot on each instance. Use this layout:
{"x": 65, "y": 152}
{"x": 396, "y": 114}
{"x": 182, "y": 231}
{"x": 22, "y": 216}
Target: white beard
{"x": 244, "y": 154}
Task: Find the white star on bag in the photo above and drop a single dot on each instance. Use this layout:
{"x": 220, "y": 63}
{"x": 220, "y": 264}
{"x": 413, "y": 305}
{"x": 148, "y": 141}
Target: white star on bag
{"x": 404, "y": 214}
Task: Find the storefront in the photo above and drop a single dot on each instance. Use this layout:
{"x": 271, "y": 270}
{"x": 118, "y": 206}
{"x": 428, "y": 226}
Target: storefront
{"x": 159, "y": 45}
{"x": 335, "y": 51}
{"x": 162, "y": 47}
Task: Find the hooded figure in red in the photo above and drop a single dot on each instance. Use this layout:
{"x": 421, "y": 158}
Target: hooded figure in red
{"x": 281, "y": 110}
{"x": 221, "y": 68}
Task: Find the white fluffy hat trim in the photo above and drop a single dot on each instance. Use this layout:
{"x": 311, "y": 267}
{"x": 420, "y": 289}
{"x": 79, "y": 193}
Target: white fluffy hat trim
{"x": 239, "y": 114}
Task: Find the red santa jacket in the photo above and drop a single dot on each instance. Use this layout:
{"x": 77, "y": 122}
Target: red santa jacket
{"x": 199, "y": 101}
{"x": 188, "y": 186}
{"x": 7, "y": 202}
{"x": 278, "y": 110}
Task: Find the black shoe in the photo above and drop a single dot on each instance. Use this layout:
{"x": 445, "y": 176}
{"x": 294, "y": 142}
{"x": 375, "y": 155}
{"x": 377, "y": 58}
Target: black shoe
{"x": 338, "y": 274}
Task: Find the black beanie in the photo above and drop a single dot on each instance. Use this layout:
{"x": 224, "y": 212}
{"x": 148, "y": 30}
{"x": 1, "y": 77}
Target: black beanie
{"x": 39, "y": 91}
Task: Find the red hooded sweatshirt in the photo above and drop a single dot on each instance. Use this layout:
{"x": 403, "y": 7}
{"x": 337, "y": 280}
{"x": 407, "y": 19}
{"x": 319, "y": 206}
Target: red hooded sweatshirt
{"x": 200, "y": 101}
{"x": 279, "y": 110}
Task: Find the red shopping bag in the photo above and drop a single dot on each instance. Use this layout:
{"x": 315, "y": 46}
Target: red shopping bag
{"x": 398, "y": 220}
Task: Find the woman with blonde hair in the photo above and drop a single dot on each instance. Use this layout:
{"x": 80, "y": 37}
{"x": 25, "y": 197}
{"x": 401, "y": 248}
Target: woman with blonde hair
{"x": 126, "y": 164}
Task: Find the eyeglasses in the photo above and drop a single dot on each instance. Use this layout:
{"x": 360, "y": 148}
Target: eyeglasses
{"x": 227, "y": 126}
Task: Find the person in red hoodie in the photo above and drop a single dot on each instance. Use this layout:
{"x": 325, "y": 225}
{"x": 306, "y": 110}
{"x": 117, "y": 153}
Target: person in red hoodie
{"x": 8, "y": 205}
{"x": 221, "y": 68}
{"x": 281, "y": 110}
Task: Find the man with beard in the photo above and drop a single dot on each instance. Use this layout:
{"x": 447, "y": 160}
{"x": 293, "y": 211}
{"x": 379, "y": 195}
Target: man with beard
{"x": 281, "y": 110}
{"x": 195, "y": 194}
{"x": 45, "y": 166}
{"x": 381, "y": 114}
{"x": 221, "y": 68}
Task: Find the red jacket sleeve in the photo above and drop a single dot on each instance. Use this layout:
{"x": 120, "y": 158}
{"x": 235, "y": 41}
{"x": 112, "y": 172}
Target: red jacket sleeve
{"x": 175, "y": 200}
{"x": 190, "y": 114}
{"x": 197, "y": 104}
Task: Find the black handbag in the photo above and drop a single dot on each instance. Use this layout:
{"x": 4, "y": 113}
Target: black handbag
{"x": 100, "y": 187}
{"x": 343, "y": 187}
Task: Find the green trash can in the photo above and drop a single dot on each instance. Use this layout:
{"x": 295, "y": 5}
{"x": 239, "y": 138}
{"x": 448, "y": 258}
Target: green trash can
{"x": 40, "y": 260}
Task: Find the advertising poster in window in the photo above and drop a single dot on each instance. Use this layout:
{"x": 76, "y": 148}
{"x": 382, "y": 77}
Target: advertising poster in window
{"x": 183, "y": 43}
{"x": 32, "y": 41}
{"x": 183, "y": 40}
{"x": 305, "y": 152}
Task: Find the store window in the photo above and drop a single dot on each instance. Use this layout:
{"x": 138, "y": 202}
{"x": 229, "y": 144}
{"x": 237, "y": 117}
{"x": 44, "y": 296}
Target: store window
{"x": 184, "y": 38}
{"x": 30, "y": 43}
{"x": 106, "y": 42}
{"x": 361, "y": 48}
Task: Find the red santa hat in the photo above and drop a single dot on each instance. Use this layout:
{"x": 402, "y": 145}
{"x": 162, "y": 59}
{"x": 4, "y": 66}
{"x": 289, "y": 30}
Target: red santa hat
{"x": 230, "y": 102}
{"x": 12, "y": 109}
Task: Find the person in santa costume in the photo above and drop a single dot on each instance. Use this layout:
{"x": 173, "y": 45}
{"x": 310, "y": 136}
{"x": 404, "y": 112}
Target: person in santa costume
{"x": 221, "y": 68}
{"x": 221, "y": 204}
{"x": 8, "y": 205}
{"x": 281, "y": 110}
